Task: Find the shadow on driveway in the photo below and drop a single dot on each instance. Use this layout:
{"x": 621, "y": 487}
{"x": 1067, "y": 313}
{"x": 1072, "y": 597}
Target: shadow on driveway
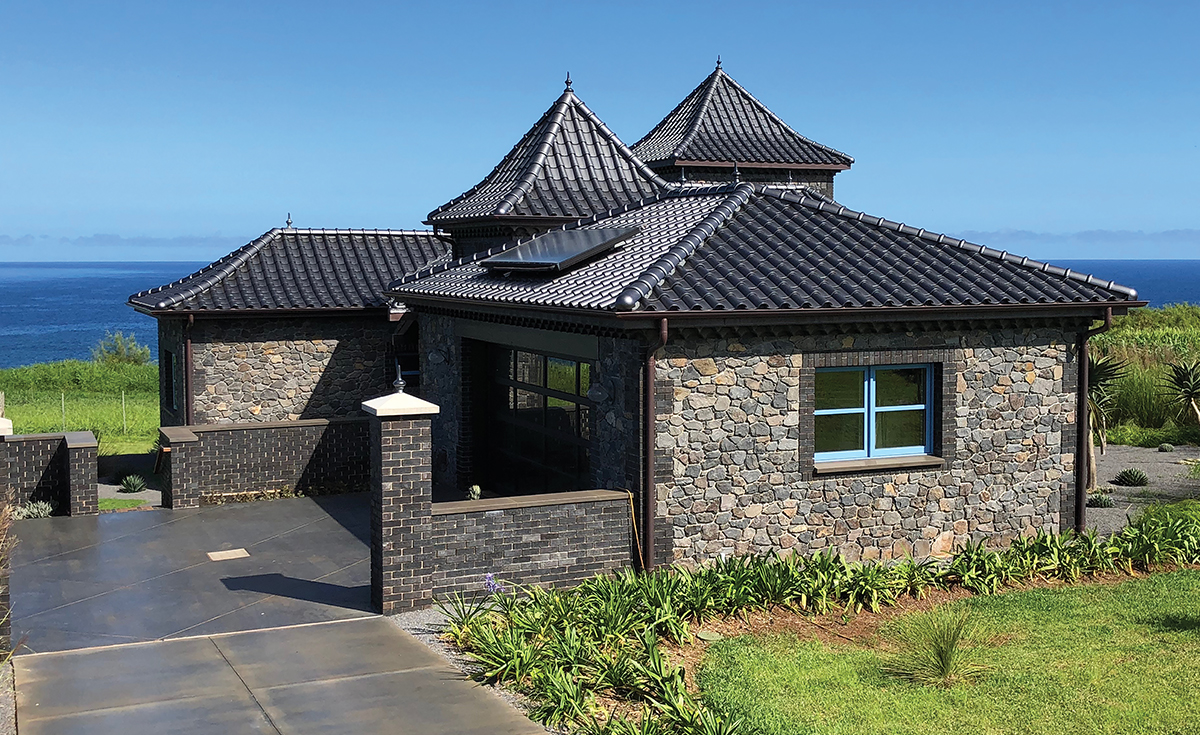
{"x": 324, "y": 593}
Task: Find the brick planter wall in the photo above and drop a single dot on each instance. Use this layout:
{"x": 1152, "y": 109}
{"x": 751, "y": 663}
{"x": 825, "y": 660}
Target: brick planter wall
{"x": 55, "y": 468}
{"x": 538, "y": 539}
{"x": 315, "y": 456}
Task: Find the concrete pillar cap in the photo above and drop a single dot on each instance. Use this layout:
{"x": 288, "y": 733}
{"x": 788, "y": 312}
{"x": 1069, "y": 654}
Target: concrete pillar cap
{"x": 399, "y": 404}
{"x": 6, "y": 427}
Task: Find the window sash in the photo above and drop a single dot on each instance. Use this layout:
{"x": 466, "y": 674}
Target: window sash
{"x": 870, "y": 410}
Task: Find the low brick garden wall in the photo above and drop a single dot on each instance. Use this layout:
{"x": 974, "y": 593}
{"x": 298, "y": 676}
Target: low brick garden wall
{"x": 562, "y": 538}
{"x": 231, "y": 462}
{"x": 56, "y": 468}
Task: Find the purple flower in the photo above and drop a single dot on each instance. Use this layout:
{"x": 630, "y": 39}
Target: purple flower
{"x": 491, "y": 585}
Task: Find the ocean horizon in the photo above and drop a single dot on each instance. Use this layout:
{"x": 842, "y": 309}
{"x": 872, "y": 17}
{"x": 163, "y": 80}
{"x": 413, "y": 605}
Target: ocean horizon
{"x": 59, "y": 311}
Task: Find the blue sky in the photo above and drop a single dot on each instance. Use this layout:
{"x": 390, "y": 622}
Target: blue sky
{"x": 177, "y": 131}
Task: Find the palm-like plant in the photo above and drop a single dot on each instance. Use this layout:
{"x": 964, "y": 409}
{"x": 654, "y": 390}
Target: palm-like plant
{"x": 1103, "y": 373}
{"x": 1184, "y": 385}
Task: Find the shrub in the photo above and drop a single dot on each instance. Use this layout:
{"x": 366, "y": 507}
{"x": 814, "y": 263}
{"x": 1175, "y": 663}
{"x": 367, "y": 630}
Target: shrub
{"x": 1165, "y": 514}
{"x": 1138, "y": 436}
{"x": 33, "y": 509}
{"x": 1100, "y": 500}
{"x": 133, "y": 484}
{"x": 119, "y": 349}
{"x": 937, "y": 649}
{"x": 1165, "y": 447}
{"x": 1131, "y": 477}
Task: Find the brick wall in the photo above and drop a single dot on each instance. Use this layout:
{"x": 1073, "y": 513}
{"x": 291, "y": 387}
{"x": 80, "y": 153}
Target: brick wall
{"x": 541, "y": 539}
{"x": 213, "y": 462}
{"x": 55, "y": 468}
{"x": 401, "y": 496}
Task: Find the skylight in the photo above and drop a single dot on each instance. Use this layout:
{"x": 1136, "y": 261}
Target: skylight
{"x": 559, "y": 250}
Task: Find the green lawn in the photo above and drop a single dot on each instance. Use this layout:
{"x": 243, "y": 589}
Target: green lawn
{"x": 120, "y": 503}
{"x": 1087, "y": 659}
{"x": 35, "y": 396}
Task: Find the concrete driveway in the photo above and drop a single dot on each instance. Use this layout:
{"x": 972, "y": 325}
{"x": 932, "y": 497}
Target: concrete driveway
{"x": 148, "y": 575}
{"x": 361, "y": 676}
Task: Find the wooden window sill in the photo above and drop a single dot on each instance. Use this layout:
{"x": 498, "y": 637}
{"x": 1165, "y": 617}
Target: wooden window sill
{"x": 916, "y": 462}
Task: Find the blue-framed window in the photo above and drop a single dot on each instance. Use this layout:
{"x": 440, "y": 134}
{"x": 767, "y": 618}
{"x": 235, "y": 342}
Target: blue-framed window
{"x": 879, "y": 411}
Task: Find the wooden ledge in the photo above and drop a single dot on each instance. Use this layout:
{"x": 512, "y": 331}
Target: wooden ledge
{"x": 917, "y": 462}
{"x": 526, "y": 501}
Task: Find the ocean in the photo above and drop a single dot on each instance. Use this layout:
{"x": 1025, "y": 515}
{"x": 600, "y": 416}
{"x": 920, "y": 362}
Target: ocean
{"x": 59, "y": 311}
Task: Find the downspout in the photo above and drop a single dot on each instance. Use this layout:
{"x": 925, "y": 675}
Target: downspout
{"x": 1083, "y": 424}
{"x": 187, "y": 370}
{"x": 649, "y": 490}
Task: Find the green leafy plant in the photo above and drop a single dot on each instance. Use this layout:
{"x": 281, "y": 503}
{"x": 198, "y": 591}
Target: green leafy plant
{"x": 916, "y": 578}
{"x": 132, "y": 484}
{"x": 979, "y": 569}
{"x": 561, "y": 697}
{"x": 1183, "y": 382}
{"x": 461, "y": 612}
{"x": 940, "y": 648}
{"x": 1166, "y": 447}
{"x": 1104, "y": 373}
{"x": 1100, "y": 500}
{"x": 1131, "y": 477}
{"x": 33, "y": 509}
{"x": 869, "y": 586}
{"x": 119, "y": 349}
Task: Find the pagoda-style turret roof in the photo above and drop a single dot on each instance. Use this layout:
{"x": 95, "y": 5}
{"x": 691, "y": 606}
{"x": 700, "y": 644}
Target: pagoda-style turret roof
{"x": 720, "y": 123}
{"x": 569, "y": 165}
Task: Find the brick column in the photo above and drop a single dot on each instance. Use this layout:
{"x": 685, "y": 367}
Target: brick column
{"x": 82, "y": 498}
{"x": 401, "y": 496}
{"x": 181, "y": 486}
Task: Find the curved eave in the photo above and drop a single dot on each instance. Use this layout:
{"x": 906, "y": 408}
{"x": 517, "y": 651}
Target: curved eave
{"x": 242, "y": 313}
{"x": 753, "y": 164}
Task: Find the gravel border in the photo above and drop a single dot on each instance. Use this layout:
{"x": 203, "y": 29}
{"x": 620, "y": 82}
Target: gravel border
{"x": 1168, "y": 482}
{"x": 8, "y": 701}
{"x": 426, "y": 626}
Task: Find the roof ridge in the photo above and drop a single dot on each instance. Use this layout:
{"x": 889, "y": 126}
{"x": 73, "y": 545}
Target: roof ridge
{"x": 557, "y": 112}
{"x": 698, "y": 115}
{"x": 942, "y": 239}
{"x": 779, "y": 119}
{"x": 657, "y": 272}
{"x": 625, "y": 150}
{"x": 365, "y": 231}
{"x": 217, "y": 272}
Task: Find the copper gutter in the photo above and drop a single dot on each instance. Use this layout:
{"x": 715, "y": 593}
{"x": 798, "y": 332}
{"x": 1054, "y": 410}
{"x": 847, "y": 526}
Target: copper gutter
{"x": 649, "y": 489}
{"x": 1083, "y": 424}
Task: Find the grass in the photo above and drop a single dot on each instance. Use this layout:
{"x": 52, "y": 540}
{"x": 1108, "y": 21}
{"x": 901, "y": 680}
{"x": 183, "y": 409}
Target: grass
{"x": 1092, "y": 658}
{"x": 35, "y": 395}
{"x": 119, "y": 503}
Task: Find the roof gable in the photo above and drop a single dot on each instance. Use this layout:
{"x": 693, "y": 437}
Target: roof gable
{"x": 720, "y": 122}
{"x": 301, "y": 269}
{"x": 569, "y": 165}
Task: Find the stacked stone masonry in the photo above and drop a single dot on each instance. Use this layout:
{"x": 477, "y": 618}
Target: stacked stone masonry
{"x": 60, "y": 469}
{"x": 313, "y": 457}
{"x": 273, "y": 369}
{"x": 738, "y": 433}
{"x": 546, "y": 543}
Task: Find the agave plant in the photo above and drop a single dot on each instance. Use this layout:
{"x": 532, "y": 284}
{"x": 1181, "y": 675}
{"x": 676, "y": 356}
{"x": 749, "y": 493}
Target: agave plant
{"x": 1131, "y": 477}
{"x": 132, "y": 484}
{"x": 1184, "y": 385}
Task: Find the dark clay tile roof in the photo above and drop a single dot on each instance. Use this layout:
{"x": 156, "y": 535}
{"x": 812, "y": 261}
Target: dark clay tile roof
{"x": 294, "y": 269}
{"x": 721, "y": 122}
{"x": 785, "y": 249}
{"x": 569, "y": 165}
{"x": 742, "y": 247}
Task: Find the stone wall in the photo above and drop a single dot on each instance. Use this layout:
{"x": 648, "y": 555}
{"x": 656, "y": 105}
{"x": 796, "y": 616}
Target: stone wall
{"x": 821, "y": 180}
{"x": 442, "y": 369}
{"x": 218, "y": 462}
{"x": 616, "y": 389}
{"x": 736, "y": 424}
{"x": 56, "y": 468}
{"x": 287, "y": 369}
{"x": 558, "y": 539}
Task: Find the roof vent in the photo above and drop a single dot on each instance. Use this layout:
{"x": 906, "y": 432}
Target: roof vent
{"x": 559, "y": 250}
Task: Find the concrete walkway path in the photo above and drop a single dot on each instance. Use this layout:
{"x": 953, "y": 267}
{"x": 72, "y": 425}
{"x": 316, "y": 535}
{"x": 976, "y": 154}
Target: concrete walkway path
{"x": 363, "y": 676}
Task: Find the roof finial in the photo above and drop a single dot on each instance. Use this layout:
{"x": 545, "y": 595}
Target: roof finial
{"x": 737, "y": 175}
{"x": 568, "y": 81}
{"x": 288, "y": 224}
{"x": 718, "y": 61}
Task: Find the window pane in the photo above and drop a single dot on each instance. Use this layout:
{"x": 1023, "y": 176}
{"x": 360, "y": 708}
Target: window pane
{"x": 529, "y": 406}
{"x": 561, "y": 415}
{"x": 839, "y": 389}
{"x": 585, "y": 378}
{"x": 899, "y": 429}
{"x": 530, "y": 368}
{"x": 902, "y": 387}
{"x": 840, "y": 432}
{"x": 561, "y": 374}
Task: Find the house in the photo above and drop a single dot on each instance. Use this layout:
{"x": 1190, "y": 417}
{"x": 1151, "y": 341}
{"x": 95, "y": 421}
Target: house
{"x": 293, "y": 325}
{"x": 694, "y": 320}
{"x": 781, "y": 372}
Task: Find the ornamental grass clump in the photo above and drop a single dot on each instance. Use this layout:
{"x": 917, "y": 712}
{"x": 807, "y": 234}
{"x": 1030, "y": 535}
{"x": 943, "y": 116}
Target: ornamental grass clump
{"x": 940, "y": 648}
